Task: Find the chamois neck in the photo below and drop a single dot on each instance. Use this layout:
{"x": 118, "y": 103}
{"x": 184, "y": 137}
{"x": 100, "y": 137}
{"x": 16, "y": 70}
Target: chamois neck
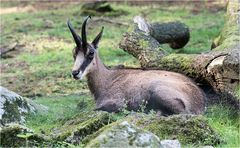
{"x": 97, "y": 78}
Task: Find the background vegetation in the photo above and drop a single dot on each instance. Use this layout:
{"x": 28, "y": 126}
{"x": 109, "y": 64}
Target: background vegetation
{"x": 41, "y": 60}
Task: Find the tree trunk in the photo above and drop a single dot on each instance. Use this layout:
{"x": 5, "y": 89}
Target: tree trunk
{"x": 218, "y": 68}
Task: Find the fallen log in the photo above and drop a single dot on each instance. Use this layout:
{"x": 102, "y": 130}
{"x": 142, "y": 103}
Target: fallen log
{"x": 176, "y": 34}
{"x": 218, "y": 68}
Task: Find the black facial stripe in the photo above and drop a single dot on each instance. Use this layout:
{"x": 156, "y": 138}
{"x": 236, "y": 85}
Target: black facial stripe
{"x": 85, "y": 63}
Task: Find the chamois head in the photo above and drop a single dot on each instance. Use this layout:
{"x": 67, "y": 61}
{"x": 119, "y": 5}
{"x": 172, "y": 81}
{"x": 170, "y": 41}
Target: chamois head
{"x": 84, "y": 53}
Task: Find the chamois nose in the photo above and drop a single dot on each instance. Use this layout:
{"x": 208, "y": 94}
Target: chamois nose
{"x": 75, "y": 73}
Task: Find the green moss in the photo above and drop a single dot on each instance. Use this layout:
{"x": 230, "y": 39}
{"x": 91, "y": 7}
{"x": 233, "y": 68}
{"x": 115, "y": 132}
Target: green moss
{"x": 148, "y": 46}
{"x": 187, "y": 129}
{"x": 229, "y": 43}
{"x": 131, "y": 28}
{"x": 14, "y": 110}
{"x": 10, "y": 137}
{"x": 216, "y": 42}
{"x": 169, "y": 62}
{"x": 230, "y": 34}
{"x": 11, "y": 113}
{"x": 237, "y": 92}
{"x": 143, "y": 43}
{"x": 124, "y": 134}
{"x": 114, "y": 117}
{"x": 83, "y": 125}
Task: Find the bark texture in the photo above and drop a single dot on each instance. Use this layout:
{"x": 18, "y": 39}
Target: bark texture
{"x": 218, "y": 67}
{"x": 176, "y": 34}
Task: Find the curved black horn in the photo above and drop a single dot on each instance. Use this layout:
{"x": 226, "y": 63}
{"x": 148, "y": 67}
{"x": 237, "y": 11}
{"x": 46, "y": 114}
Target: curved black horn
{"x": 84, "y": 36}
{"x": 76, "y": 37}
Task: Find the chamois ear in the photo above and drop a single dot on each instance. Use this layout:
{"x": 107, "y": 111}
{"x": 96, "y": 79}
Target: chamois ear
{"x": 97, "y": 39}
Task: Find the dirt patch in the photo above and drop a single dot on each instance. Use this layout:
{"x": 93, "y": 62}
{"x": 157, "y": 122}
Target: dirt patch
{"x": 44, "y": 44}
{"x": 29, "y": 6}
{"x": 52, "y": 5}
{"x": 16, "y": 9}
{"x": 211, "y": 6}
{"x": 8, "y": 67}
{"x": 198, "y": 6}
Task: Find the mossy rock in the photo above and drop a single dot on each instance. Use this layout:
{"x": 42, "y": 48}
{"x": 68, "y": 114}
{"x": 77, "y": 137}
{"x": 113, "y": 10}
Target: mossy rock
{"x": 188, "y": 129}
{"x": 84, "y": 124}
{"x": 14, "y": 107}
{"x": 124, "y": 134}
{"x": 15, "y": 135}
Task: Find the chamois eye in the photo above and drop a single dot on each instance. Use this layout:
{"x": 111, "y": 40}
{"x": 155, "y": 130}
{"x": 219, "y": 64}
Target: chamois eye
{"x": 90, "y": 54}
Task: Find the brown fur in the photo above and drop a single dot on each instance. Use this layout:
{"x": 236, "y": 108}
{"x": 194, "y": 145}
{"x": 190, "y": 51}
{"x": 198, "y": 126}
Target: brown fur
{"x": 164, "y": 91}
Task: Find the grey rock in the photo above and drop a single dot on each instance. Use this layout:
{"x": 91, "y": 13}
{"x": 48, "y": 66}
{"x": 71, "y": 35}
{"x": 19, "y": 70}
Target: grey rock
{"x": 208, "y": 146}
{"x": 188, "y": 129}
{"x": 171, "y": 144}
{"x": 14, "y": 107}
{"x": 124, "y": 134}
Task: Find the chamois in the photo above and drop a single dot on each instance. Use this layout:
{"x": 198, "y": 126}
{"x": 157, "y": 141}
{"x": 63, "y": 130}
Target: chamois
{"x": 163, "y": 91}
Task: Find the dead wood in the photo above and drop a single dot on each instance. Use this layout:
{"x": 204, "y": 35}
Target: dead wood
{"x": 218, "y": 68}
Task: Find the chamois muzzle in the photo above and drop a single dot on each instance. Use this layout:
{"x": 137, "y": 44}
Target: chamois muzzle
{"x": 75, "y": 74}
